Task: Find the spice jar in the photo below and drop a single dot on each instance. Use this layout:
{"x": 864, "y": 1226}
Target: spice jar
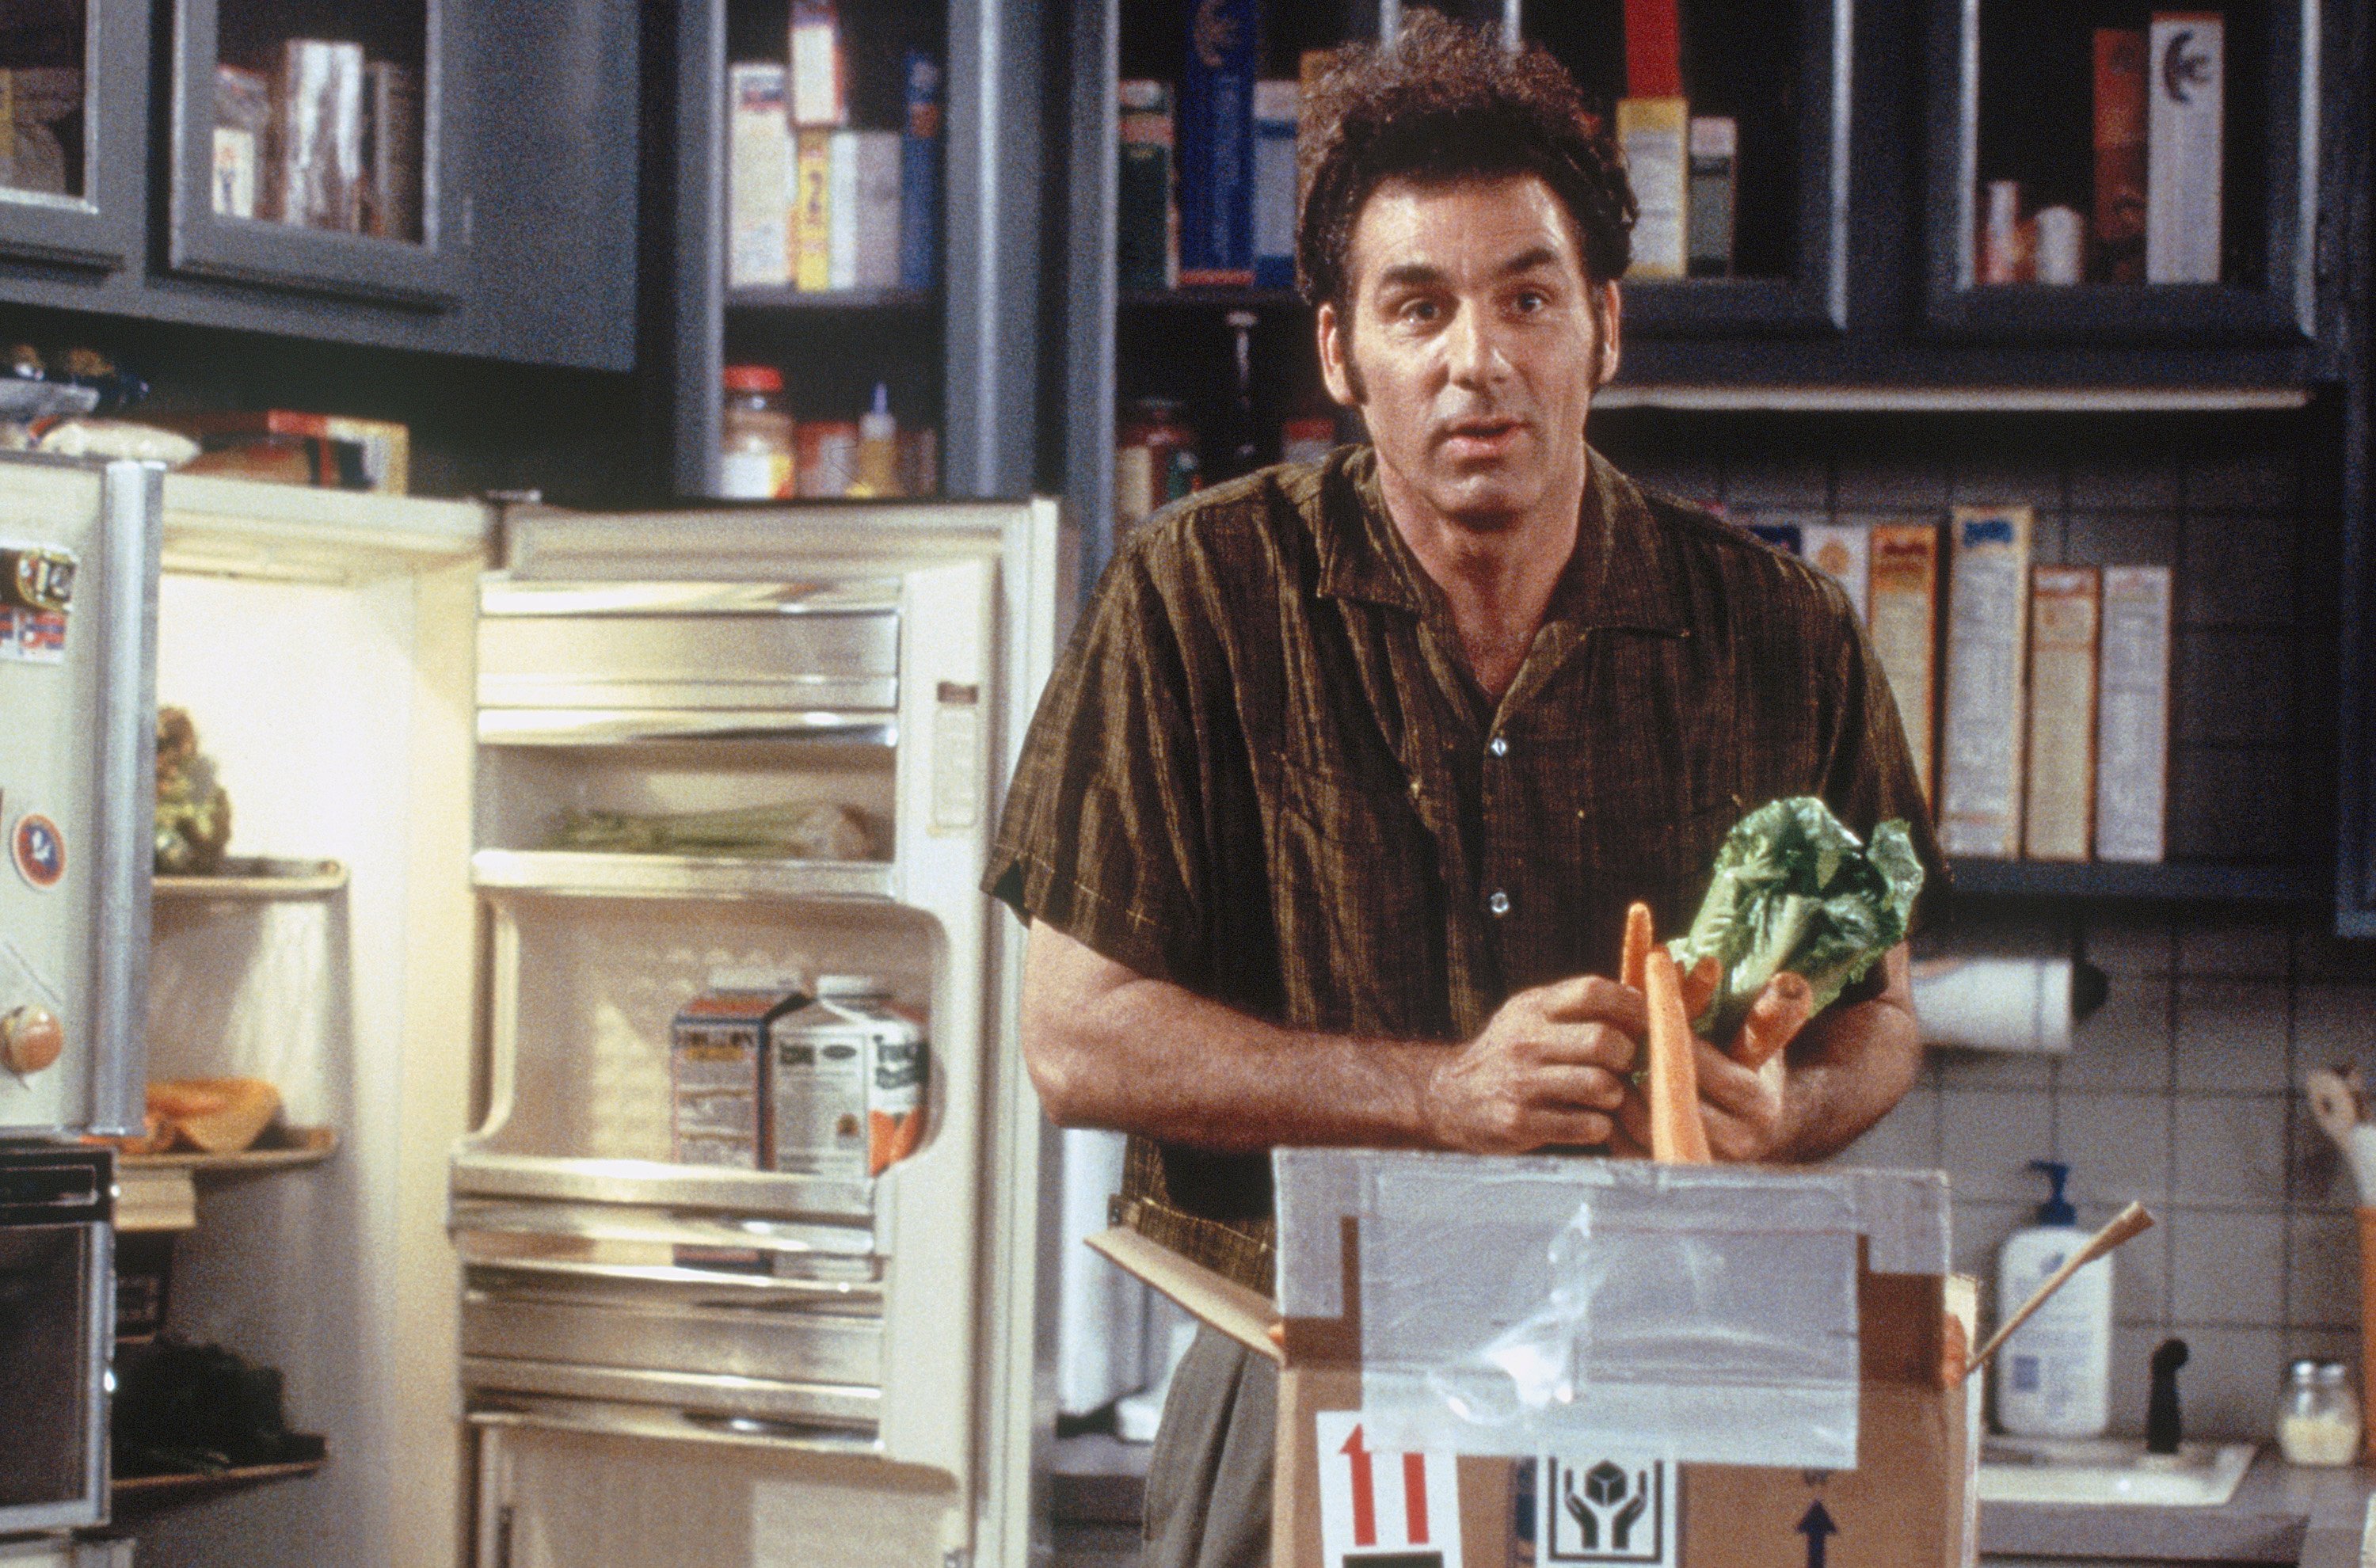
{"x": 755, "y": 459}
{"x": 2318, "y": 1421}
{"x": 1155, "y": 460}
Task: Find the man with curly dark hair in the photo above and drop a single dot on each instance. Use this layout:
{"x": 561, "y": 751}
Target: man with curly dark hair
{"x": 1328, "y": 820}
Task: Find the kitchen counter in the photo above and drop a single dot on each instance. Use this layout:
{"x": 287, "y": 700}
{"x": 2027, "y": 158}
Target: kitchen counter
{"x": 2280, "y": 1514}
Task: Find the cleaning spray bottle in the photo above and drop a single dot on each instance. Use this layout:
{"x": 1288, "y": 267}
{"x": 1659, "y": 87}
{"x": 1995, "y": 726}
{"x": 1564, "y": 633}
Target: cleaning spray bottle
{"x": 2054, "y": 1376}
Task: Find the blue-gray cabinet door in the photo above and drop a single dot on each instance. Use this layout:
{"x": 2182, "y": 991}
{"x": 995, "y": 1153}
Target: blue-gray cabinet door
{"x": 419, "y": 266}
{"x": 73, "y": 182}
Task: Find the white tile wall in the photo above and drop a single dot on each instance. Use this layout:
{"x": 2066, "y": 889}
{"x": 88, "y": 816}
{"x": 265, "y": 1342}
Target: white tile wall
{"x": 2180, "y": 1090}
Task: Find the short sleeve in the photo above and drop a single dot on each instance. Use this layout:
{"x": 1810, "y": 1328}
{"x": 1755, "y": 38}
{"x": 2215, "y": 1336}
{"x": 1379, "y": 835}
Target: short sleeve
{"x": 1103, "y": 832}
{"x": 1868, "y": 776}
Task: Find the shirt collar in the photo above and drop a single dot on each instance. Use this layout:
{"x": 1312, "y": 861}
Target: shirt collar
{"x": 1622, "y": 573}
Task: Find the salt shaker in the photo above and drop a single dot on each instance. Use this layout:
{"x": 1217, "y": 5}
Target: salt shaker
{"x": 2318, "y": 1421}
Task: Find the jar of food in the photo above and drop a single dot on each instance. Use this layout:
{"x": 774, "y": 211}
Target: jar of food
{"x": 754, "y": 436}
{"x": 1155, "y": 460}
{"x": 2318, "y": 1421}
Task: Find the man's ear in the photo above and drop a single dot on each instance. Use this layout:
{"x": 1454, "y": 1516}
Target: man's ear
{"x": 1336, "y": 363}
{"x": 1609, "y": 310}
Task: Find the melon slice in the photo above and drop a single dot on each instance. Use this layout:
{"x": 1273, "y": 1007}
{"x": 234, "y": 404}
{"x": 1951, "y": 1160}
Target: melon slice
{"x": 215, "y": 1115}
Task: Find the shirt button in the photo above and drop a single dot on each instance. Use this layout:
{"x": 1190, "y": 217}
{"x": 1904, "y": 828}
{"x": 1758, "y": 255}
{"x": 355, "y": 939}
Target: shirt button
{"x": 1497, "y": 902}
{"x": 1498, "y": 746}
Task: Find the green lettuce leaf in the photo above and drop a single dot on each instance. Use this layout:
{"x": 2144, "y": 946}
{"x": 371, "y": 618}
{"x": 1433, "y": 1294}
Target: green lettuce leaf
{"x": 1793, "y": 889}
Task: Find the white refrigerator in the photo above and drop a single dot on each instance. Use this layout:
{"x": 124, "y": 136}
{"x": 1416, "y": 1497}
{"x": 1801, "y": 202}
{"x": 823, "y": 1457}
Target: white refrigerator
{"x": 500, "y": 1300}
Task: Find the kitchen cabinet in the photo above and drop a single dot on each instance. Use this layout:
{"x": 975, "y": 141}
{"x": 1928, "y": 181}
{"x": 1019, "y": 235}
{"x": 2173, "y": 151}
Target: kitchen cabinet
{"x": 2011, "y": 91}
{"x": 525, "y": 143}
{"x": 961, "y": 357}
{"x": 1790, "y": 275}
{"x": 70, "y": 195}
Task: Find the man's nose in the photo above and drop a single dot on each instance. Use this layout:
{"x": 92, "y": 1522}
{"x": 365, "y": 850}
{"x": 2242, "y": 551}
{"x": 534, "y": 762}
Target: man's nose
{"x": 1475, "y": 348}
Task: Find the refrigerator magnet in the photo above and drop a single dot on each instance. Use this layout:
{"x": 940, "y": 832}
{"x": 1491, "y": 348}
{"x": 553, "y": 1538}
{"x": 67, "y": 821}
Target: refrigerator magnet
{"x": 38, "y": 850}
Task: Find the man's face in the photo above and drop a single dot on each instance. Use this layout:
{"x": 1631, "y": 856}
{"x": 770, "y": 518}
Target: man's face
{"x": 1473, "y": 345}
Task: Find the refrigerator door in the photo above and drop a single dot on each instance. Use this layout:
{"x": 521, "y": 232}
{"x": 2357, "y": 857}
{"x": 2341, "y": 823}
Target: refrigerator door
{"x": 863, "y": 1388}
{"x": 78, "y": 548}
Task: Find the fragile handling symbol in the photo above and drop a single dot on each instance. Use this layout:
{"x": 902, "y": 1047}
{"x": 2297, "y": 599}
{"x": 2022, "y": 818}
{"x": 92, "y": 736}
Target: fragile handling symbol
{"x": 1817, "y": 1527}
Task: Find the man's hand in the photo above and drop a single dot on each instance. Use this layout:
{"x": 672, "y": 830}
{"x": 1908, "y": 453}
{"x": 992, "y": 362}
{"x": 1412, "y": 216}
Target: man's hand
{"x": 1548, "y": 1068}
{"x": 1848, "y": 1066}
{"x": 1743, "y": 1111}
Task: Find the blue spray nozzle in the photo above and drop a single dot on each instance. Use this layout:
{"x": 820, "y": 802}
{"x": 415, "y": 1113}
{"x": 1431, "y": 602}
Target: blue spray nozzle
{"x": 882, "y": 398}
{"x": 2057, "y": 1210}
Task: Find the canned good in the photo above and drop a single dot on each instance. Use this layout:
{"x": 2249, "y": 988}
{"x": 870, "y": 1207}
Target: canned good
{"x": 828, "y": 458}
{"x": 850, "y": 1072}
{"x": 1306, "y": 439}
{"x": 1155, "y": 460}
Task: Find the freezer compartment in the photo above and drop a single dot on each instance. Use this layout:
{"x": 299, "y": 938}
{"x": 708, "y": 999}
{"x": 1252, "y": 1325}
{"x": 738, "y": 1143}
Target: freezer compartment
{"x": 824, "y": 795}
{"x": 763, "y": 646}
{"x": 701, "y": 1327}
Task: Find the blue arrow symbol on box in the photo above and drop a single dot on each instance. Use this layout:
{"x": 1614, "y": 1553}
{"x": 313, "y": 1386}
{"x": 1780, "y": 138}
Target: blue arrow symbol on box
{"x": 1816, "y": 1526}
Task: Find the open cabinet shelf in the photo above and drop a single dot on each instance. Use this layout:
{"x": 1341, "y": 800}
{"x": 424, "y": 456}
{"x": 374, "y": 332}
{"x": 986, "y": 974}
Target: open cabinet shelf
{"x": 301, "y": 1146}
{"x": 142, "y": 1494}
{"x": 252, "y": 880}
{"x": 2044, "y": 879}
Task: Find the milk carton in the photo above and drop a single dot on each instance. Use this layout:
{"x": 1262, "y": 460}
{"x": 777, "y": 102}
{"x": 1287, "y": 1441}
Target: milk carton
{"x": 848, "y": 1076}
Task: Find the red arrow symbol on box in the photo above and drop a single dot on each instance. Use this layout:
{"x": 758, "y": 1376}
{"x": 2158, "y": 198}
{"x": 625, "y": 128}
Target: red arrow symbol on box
{"x": 1816, "y": 1526}
{"x": 1365, "y": 1501}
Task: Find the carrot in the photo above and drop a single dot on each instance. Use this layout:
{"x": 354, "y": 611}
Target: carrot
{"x": 1781, "y": 1010}
{"x": 1700, "y": 983}
{"x": 1637, "y": 944}
{"x": 1673, "y": 1079}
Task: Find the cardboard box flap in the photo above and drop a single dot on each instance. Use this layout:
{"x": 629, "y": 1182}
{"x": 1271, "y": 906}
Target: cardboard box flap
{"x": 1246, "y": 1316}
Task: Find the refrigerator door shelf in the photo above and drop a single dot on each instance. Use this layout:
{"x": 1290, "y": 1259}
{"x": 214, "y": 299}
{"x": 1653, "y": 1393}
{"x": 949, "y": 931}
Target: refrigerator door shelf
{"x": 727, "y": 1196}
{"x": 846, "y": 1406}
{"x": 560, "y": 658}
{"x": 762, "y": 1291}
{"x": 508, "y": 597}
{"x": 611, "y": 1419}
{"x": 672, "y": 1332}
{"x": 564, "y": 873}
{"x": 602, "y": 1233}
{"x": 650, "y": 726}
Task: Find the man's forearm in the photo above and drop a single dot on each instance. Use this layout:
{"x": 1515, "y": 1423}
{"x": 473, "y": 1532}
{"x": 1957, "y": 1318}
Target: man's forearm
{"x": 1149, "y": 1057}
{"x": 1847, "y": 1070}
{"x": 1109, "y": 1046}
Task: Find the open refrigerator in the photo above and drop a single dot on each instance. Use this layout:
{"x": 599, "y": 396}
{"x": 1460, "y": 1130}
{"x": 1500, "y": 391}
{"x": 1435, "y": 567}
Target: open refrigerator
{"x": 501, "y": 1302}
{"x": 675, "y": 1362}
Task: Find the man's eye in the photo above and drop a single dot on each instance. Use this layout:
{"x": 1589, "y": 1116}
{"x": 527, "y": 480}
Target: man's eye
{"x": 1528, "y": 300}
{"x": 1419, "y": 311}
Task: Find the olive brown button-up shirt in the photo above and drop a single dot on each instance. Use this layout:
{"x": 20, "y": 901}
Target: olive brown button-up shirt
{"x": 1262, "y": 771}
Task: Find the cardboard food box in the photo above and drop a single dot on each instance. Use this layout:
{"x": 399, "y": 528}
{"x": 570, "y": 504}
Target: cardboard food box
{"x": 1492, "y": 1362}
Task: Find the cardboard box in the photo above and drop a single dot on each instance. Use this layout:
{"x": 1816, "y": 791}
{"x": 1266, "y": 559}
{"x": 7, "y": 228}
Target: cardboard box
{"x": 1487, "y": 1362}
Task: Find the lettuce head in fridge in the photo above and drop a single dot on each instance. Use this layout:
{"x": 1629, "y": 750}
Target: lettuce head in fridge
{"x": 1793, "y": 889}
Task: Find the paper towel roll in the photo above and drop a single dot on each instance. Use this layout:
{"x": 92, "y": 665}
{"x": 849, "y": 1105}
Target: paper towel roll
{"x": 1996, "y": 1003}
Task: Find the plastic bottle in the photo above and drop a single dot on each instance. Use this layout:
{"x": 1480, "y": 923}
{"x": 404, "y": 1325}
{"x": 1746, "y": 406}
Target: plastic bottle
{"x": 878, "y": 448}
{"x": 2054, "y": 1376}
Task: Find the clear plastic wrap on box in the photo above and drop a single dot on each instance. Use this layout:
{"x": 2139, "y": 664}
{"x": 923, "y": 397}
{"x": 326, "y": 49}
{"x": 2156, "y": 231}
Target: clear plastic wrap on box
{"x": 1519, "y": 1306}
